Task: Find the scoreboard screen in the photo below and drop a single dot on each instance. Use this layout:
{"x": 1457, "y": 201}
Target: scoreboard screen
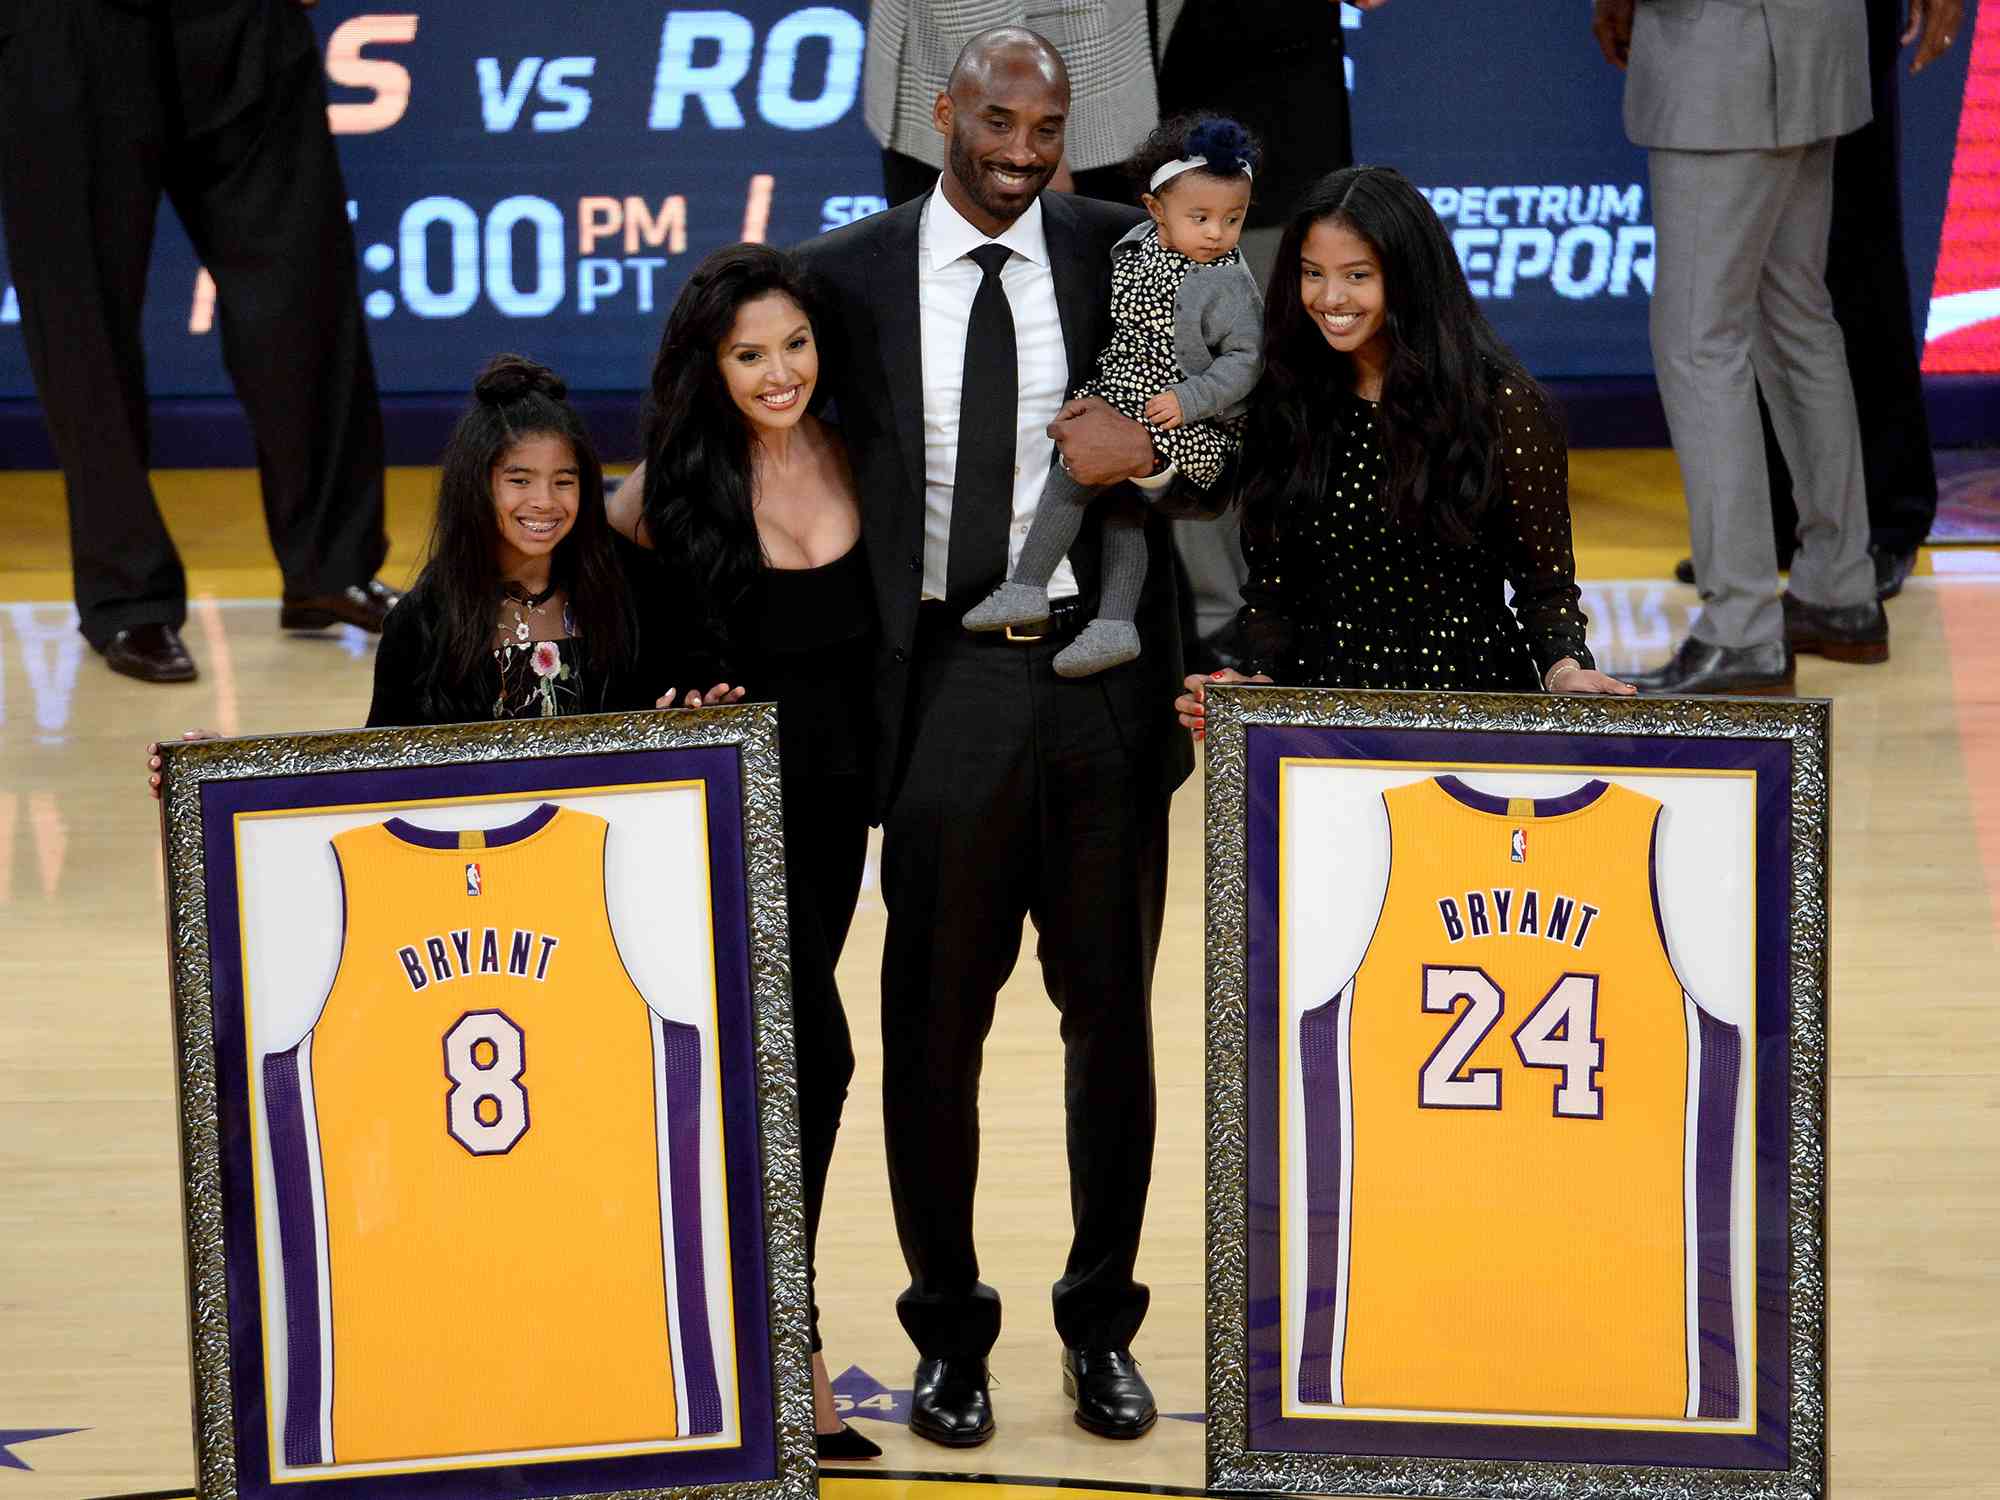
{"x": 541, "y": 178}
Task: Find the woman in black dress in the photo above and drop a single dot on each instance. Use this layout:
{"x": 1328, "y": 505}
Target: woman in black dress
{"x": 1401, "y": 472}
{"x": 748, "y": 500}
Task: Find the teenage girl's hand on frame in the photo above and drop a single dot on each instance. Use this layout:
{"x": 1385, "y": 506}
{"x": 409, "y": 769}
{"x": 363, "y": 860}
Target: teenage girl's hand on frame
{"x": 1567, "y": 677}
{"x": 153, "y": 757}
{"x": 1192, "y": 706}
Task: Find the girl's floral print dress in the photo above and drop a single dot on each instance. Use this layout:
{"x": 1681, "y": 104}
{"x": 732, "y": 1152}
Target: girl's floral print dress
{"x": 538, "y": 679}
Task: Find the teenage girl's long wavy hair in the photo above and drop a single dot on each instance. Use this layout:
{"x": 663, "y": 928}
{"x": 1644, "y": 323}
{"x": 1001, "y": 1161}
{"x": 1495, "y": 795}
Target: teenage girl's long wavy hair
{"x": 1438, "y": 419}
{"x": 699, "y": 481}
{"x": 515, "y": 399}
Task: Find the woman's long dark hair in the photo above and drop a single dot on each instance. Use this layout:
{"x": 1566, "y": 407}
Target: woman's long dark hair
{"x": 699, "y": 482}
{"x": 515, "y": 399}
{"x": 1437, "y": 417}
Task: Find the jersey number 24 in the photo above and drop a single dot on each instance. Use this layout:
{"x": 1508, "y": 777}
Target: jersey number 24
{"x": 1559, "y": 1034}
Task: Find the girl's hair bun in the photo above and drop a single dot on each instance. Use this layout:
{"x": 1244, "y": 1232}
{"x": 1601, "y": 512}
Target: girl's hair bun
{"x": 508, "y": 378}
{"x": 1227, "y": 145}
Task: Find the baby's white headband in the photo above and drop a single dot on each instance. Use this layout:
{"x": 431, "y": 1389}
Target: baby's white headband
{"x": 1168, "y": 171}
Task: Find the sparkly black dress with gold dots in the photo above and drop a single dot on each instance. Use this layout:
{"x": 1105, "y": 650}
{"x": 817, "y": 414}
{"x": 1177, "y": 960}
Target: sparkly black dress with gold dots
{"x": 1343, "y": 597}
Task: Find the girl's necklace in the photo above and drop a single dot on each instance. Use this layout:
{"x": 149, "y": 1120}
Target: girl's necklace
{"x": 521, "y": 600}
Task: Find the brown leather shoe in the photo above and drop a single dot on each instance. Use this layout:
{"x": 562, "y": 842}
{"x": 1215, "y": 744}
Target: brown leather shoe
{"x": 151, "y": 653}
{"x": 1698, "y": 667}
{"x": 1847, "y": 632}
{"x": 364, "y": 604}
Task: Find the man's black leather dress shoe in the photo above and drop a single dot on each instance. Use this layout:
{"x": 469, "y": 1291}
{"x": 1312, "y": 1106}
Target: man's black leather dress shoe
{"x": 364, "y": 604}
{"x": 1698, "y": 667}
{"x": 1848, "y": 632}
{"x": 151, "y": 653}
{"x": 950, "y": 1402}
{"x": 1892, "y": 570}
{"x": 1112, "y": 1397}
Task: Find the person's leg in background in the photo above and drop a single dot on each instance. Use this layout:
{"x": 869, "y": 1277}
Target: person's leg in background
{"x": 1281, "y": 71}
{"x": 1715, "y": 213}
{"x": 1830, "y": 606}
{"x": 1868, "y": 278}
{"x": 263, "y": 200}
{"x": 82, "y": 132}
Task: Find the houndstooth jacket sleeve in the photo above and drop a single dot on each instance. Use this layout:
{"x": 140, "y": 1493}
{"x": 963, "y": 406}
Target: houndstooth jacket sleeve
{"x": 1107, "y": 45}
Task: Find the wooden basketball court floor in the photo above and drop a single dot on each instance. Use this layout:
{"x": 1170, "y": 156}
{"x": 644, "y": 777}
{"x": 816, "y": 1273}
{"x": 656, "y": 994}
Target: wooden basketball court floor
{"x": 94, "y": 1395}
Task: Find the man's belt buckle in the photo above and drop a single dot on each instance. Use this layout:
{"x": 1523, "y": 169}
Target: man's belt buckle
{"x": 1022, "y": 637}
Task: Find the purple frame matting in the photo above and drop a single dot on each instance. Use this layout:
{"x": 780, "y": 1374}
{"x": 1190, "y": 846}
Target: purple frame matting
{"x": 1268, "y": 1430}
{"x": 755, "y": 1458}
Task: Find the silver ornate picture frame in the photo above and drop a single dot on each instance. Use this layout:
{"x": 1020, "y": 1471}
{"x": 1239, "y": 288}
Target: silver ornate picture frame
{"x": 679, "y": 816}
{"x": 1320, "y": 1377}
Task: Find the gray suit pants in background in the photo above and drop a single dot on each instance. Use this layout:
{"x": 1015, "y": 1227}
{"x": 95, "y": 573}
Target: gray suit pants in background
{"x": 1740, "y": 299}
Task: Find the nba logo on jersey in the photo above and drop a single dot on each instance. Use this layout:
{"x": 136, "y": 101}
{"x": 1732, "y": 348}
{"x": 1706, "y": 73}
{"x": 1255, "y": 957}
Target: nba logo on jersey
{"x": 472, "y": 886}
{"x": 1518, "y": 848}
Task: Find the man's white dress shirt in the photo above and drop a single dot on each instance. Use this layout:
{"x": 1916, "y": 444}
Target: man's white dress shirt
{"x": 947, "y": 281}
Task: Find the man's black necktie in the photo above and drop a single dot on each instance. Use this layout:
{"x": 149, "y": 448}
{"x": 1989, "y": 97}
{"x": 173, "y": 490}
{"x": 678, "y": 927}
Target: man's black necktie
{"x": 982, "y": 499}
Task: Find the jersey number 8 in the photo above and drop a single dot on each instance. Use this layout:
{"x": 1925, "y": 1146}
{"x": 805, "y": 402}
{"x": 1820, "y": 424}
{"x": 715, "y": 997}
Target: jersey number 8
{"x": 486, "y": 1109}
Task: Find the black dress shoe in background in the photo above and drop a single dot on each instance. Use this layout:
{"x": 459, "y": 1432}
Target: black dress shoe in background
{"x": 151, "y": 653}
{"x": 1112, "y": 1397}
{"x": 364, "y": 604}
{"x": 950, "y": 1402}
{"x": 1698, "y": 667}
{"x": 1892, "y": 570}
{"x": 1848, "y": 632}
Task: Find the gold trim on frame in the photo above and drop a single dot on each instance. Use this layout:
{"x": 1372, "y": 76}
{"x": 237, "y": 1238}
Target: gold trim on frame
{"x": 1232, "y": 1465}
{"x": 751, "y": 729}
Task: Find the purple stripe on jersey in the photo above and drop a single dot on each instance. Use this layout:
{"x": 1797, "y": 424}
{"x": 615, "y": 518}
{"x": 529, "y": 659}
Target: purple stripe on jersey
{"x": 494, "y": 838}
{"x": 284, "y": 1102}
{"x": 1319, "y": 1069}
{"x": 1714, "y": 1162}
{"x": 701, "y": 1400}
{"x": 1545, "y": 807}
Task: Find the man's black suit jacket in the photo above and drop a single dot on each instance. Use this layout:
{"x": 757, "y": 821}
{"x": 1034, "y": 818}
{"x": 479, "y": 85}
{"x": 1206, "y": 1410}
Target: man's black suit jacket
{"x": 871, "y": 368}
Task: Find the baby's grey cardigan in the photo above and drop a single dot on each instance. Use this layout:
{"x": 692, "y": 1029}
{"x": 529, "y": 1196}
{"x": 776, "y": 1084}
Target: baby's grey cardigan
{"x": 1219, "y": 308}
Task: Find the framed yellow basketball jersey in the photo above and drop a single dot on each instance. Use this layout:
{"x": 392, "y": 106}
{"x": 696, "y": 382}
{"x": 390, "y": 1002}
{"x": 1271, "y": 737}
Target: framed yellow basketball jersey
{"x": 1519, "y": 1129}
{"x": 488, "y": 1168}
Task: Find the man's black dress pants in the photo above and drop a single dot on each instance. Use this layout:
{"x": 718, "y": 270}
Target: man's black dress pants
{"x": 221, "y": 106}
